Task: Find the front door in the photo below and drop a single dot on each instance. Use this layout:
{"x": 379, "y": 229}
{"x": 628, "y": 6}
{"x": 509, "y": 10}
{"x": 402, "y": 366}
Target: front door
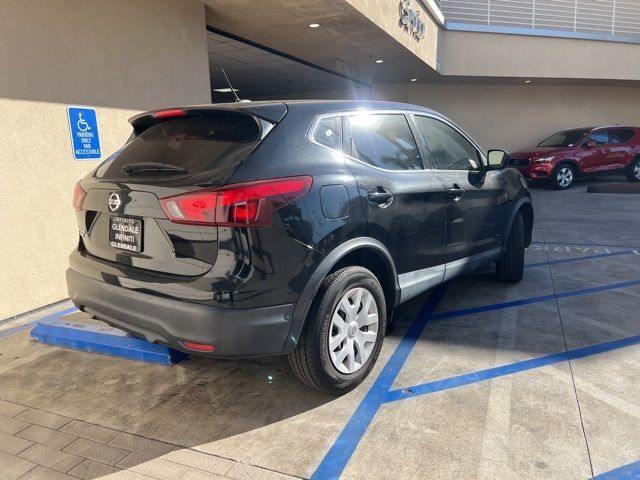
{"x": 476, "y": 212}
{"x": 405, "y": 203}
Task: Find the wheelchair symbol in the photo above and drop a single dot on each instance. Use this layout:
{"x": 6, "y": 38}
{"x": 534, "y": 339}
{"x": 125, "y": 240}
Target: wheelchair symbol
{"x": 83, "y": 126}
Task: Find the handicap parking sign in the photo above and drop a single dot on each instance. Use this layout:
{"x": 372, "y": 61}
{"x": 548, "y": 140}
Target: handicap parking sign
{"x": 85, "y": 139}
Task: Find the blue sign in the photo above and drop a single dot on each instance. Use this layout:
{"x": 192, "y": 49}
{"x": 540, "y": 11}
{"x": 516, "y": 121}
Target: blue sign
{"x": 85, "y": 139}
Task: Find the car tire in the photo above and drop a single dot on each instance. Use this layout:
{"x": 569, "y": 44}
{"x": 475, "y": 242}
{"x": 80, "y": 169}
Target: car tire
{"x": 313, "y": 361}
{"x": 563, "y": 176}
{"x": 633, "y": 174}
{"x": 510, "y": 268}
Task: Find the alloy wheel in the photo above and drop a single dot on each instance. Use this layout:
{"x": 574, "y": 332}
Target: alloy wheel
{"x": 353, "y": 331}
{"x": 636, "y": 170}
{"x": 564, "y": 177}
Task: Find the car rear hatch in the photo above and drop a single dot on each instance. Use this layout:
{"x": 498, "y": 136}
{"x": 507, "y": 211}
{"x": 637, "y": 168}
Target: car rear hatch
{"x": 170, "y": 152}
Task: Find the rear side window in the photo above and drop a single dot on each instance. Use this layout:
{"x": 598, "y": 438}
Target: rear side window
{"x": 601, "y": 137}
{"x": 621, "y": 135}
{"x": 328, "y": 133}
{"x": 384, "y": 141}
{"x": 197, "y": 144}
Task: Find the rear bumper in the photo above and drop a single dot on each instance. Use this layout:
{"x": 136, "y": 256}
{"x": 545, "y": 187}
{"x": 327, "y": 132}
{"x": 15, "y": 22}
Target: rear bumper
{"x": 234, "y": 332}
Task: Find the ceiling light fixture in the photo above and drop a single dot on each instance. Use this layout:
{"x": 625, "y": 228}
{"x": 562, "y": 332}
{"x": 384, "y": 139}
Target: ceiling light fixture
{"x": 314, "y": 25}
{"x": 414, "y": 79}
{"x": 527, "y": 81}
{"x": 225, "y": 90}
{"x": 379, "y": 61}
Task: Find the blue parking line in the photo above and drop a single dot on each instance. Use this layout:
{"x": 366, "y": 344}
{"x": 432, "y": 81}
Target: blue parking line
{"x": 510, "y": 369}
{"x": 339, "y": 454}
{"x": 531, "y": 300}
{"x": 28, "y": 325}
{"x": 577, "y": 259}
{"x": 337, "y": 457}
{"x": 626, "y": 472}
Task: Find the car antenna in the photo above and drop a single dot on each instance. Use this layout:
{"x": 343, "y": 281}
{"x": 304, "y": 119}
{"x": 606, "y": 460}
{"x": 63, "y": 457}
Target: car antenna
{"x": 233, "y": 90}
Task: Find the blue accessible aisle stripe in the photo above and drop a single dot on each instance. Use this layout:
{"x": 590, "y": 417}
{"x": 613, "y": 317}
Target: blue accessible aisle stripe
{"x": 531, "y": 300}
{"x": 337, "y": 457}
{"x": 490, "y": 373}
{"x": 105, "y": 341}
{"x": 630, "y": 471}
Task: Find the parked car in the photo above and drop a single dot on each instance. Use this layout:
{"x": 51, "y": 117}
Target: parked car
{"x": 294, "y": 228}
{"x": 579, "y": 152}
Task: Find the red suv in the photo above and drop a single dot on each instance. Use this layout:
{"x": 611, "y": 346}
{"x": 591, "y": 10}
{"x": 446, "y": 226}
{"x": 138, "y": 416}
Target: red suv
{"x": 581, "y": 151}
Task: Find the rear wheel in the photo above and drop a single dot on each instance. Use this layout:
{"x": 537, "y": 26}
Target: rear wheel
{"x": 634, "y": 171}
{"x": 510, "y": 268}
{"x": 343, "y": 334}
{"x": 563, "y": 177}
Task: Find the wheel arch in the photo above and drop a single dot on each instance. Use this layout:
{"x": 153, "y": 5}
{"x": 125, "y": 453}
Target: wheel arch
{"x": 363, "y": 251}
{"x": 525, "y": 207}
{"x": 571, "y": 161}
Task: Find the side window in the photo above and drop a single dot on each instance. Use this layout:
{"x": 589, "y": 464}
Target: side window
{"x": 621, "y": 135}
{"x": 329, "y": 133}
{"x": 448, "y": 149}
{"x": 384, "y": 141}
{"x": 601, "y": 137}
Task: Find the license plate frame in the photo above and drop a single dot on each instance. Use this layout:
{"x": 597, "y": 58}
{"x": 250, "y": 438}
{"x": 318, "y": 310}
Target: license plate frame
{"x": 126, "y": 233}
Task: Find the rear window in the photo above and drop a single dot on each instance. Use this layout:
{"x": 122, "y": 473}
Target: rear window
{"x": 196, "y": 144}
{"x": 621, "y": 135}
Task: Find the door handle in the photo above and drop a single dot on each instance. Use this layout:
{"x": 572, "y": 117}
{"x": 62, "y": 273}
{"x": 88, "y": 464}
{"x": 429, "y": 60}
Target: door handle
{"x": 380, "y": 196}
{"x": 456, "y": 192}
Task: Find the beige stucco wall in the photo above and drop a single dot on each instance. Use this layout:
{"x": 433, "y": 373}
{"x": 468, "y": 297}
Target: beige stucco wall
{"x": 386, "y": 15}
{"x": 120, "y": 56}
{"x": 502, "y": 55}
{"x": 513, "y": 116}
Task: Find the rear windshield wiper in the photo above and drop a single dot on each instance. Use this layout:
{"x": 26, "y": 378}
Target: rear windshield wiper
{"x": 152, "y": 167}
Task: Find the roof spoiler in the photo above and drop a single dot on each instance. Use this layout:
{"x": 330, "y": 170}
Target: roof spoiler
{"x": 272, "y": 112}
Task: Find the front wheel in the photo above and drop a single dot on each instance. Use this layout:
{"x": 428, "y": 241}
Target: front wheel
{"x": 343, "y": 335}
{"x": 563, "y": 177}
{"x": 634, "y": 171}
{"x": 510, "y": 268}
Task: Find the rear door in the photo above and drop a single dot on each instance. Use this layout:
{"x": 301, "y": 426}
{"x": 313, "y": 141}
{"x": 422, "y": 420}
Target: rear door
{"x": 621, "y": 148}
{"x": 122, "y": 220}
{"x": 404, "y": 202}
{"x": 476, "y": 214}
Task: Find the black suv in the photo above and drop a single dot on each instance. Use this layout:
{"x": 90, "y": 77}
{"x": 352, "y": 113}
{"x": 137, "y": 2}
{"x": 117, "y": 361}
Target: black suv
{"x": 296, "y": 228}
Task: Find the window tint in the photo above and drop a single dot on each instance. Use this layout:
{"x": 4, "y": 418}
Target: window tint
{"x": 197, "y": 144}
{"x": 448, "y": 149}
{"x": 601, "y": 137}
{"x": 621, "y": 135}
{"x": 384, "y": 141}
{"x": 328, "y": 133}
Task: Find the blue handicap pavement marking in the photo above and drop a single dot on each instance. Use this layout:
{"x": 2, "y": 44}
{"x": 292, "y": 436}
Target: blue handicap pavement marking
{"x": 336, "y": 459}
{"x": 85, "y": 137}
{"x": 490, "y": 373}
{"x": 630, "y": 471}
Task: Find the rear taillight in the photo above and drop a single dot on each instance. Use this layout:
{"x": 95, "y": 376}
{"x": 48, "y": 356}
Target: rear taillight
{"x": 249, "y": 204}
{"x": 78, "y": 197}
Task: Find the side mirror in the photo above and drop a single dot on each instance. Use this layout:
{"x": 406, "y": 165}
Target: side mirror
{"x": 497, "y": 159}
{"x": 591, "y": 144}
